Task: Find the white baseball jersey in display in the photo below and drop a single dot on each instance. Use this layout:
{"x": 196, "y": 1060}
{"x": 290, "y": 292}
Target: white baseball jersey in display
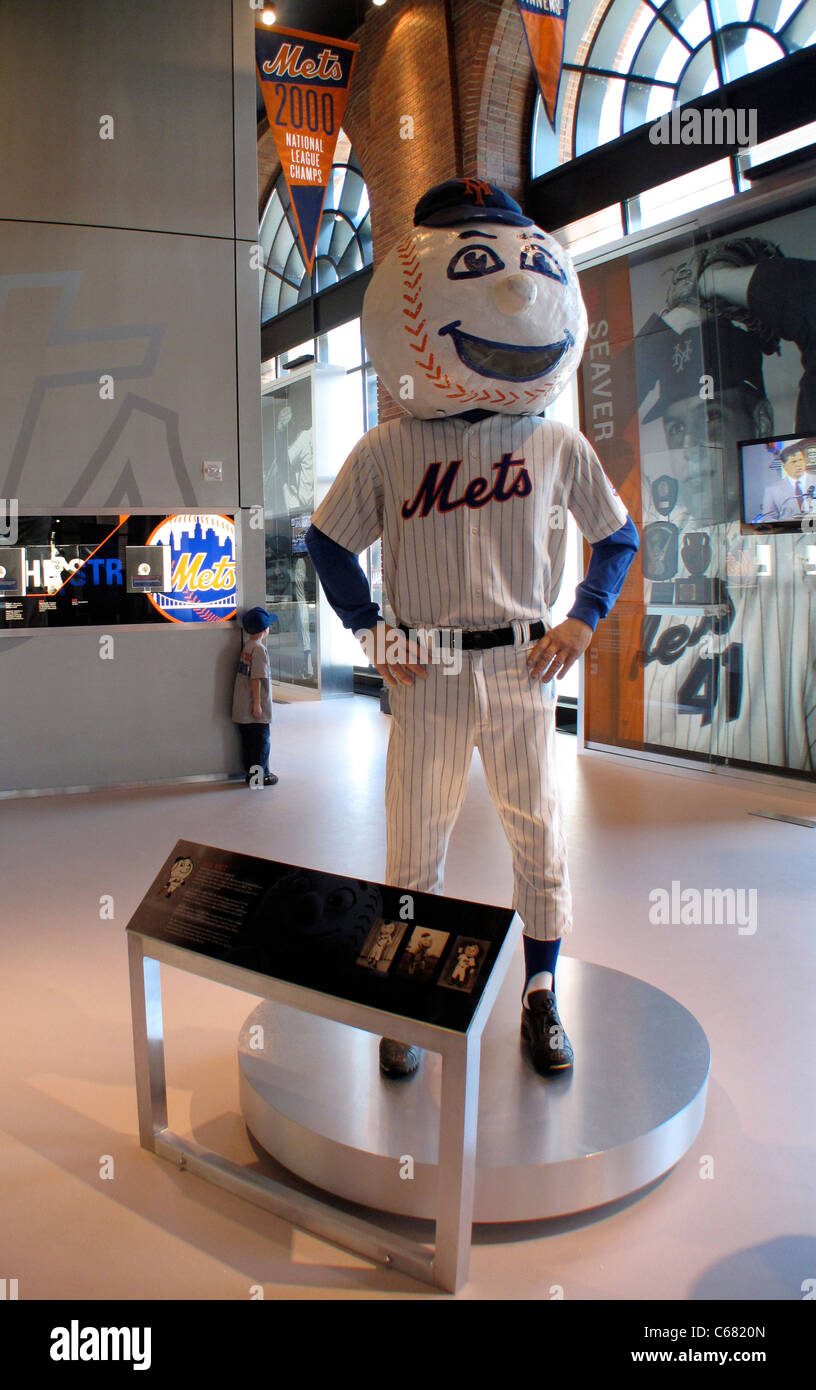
{"x": 473, "y": 524}
{"x": 741, "y": 686}
{"x": 473, "y": 516}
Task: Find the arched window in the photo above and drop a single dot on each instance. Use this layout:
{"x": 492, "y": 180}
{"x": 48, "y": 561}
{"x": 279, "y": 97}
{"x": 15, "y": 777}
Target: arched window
{"x": 343, "y": 244}
{"x": 627, "y": 62}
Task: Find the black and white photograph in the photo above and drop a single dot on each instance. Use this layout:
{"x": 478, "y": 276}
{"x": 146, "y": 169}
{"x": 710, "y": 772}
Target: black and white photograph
{"x": 288, "y": 451}
{"x": 464, "y": 964}
{"x": 381, "y": 946}
{"x": 422, "y": 954}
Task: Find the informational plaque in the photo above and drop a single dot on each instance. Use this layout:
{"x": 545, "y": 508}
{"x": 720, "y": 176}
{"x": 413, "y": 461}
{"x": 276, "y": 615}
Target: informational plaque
{"x": 148, "y": 569}
{"x": 420, "y": 955}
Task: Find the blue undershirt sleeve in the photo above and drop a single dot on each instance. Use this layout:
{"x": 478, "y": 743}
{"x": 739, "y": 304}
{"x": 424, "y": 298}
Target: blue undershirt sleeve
{"x": 344, "y": 583}
{"x": 607, "y": 569}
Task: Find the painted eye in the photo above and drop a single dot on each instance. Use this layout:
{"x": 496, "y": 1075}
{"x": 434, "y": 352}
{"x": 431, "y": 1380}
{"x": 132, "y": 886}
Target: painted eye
{"x": 474, "y": 261}
{"x": 539, "y": 260}
{"x": 339, "y": 899}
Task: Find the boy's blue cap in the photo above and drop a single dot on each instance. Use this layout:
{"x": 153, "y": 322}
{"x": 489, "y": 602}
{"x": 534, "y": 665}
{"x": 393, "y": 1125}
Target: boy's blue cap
{"x": 256, "y": 620}
{"x": 467, "y": 200}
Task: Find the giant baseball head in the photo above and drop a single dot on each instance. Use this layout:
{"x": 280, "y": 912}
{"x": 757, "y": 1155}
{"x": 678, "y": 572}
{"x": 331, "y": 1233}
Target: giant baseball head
{"x": 477, "y": 308}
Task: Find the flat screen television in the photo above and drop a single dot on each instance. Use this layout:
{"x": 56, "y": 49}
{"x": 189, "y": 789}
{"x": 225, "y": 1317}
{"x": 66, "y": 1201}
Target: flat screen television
{"x": 299, "y": 526}
{"x": 778, "y": 484}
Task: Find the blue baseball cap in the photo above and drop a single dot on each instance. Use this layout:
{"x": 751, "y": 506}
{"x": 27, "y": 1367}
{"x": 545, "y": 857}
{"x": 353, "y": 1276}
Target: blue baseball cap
{"x": 467, "y": 200}
{"x": 256, "y": 620}
{"x": 730, "y": 354}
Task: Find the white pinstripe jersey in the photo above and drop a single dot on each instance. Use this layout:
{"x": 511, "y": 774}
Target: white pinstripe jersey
{"x": 747, "y": 692}
{"x": 473, "y": 516}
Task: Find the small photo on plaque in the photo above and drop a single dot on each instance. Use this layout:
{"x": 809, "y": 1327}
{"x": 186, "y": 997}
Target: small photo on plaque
{"x": 422, "y": 953}
{"x": 180, "y": 871}
{"x": 381, "y": 945}
{"x": 464, "y": 964}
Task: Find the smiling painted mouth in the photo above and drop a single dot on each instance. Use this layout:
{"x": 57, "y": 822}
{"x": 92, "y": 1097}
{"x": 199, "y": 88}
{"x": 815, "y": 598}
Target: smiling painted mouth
{"x": 504, "y": 361}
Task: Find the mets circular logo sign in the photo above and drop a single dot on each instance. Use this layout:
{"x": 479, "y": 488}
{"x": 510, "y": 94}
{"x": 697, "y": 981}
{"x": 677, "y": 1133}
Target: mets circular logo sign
{"x": 202, "y": 568}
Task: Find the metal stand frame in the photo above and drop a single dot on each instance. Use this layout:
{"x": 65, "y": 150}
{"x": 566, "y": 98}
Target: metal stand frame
{"x": 447, "y": 1262}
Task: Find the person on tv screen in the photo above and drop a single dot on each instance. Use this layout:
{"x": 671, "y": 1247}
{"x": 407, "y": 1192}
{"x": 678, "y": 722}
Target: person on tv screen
{"x": 791, "y": 497}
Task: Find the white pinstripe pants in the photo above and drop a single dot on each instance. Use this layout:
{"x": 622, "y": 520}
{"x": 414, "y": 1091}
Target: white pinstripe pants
{"x": 493, "y": 705}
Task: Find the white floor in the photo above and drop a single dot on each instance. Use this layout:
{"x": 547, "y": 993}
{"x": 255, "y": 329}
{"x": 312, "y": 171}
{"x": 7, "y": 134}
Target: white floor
{"x": 735, "y": 1219}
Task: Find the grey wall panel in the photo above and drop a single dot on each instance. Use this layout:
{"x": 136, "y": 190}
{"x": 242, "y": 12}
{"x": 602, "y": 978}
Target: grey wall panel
{"x": 160, "y": 709}
{"x": 162, "y": 69}
{"x": 122, "y": 293}
{"x": 246, "y": 122}
{"x": 250, "y": 552}
{"x": 157, "y": 313}
{"x": 249, "y": 374}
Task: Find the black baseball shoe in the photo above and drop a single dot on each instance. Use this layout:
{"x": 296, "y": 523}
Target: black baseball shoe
{"x": 542, "y": 1030}
{"x": 398, "y": 1059}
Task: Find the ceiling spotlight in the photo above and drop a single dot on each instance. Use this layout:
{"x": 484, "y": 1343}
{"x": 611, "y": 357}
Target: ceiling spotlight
{"x": 268, "y": 15}
{"x": 379, "y": 2}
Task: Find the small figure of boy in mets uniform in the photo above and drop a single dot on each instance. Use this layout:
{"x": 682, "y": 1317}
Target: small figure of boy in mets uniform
{"x": 465, "y": 964}
{"x": 252, "y": 699}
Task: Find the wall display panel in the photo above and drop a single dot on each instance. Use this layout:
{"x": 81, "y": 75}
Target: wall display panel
{"x": 119, "y": 115}
{"x": 108, "y": 338}
{"x": 711, "y": 654}
{"x": 85, "y": 713}
{"x": 98, "y": 571}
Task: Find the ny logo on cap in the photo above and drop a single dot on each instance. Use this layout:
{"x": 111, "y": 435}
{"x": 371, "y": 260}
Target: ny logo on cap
{"x": 477, "y": 189}
{"x": 682, "y": 355}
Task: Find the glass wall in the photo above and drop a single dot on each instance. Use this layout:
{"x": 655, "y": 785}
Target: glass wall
{"x": 697, "y": 390}
{"x": 343, "y": 244}
{"x": 628, "y": 62}
{"x": 289, "y": 489}
{"x": 292, "y": 460}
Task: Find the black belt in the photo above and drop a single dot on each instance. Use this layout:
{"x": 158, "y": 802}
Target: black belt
{"x": 482, "y": 640}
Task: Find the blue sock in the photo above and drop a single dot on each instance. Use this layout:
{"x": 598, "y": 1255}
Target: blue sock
{"x": 539, "y": 955}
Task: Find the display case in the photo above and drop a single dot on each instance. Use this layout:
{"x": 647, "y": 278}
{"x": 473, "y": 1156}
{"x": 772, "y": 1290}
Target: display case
{"x": 118, "y": 570}
{"x": 697, "y": 393}
{"x": 311, "y": 421}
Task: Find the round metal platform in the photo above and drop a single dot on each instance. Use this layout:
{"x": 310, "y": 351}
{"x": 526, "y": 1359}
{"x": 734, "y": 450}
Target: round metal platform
{"x": 629, "y": 1109}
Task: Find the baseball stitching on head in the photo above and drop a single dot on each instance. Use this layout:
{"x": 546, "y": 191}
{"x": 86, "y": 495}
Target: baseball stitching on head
{"x": 412, "y": 309}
